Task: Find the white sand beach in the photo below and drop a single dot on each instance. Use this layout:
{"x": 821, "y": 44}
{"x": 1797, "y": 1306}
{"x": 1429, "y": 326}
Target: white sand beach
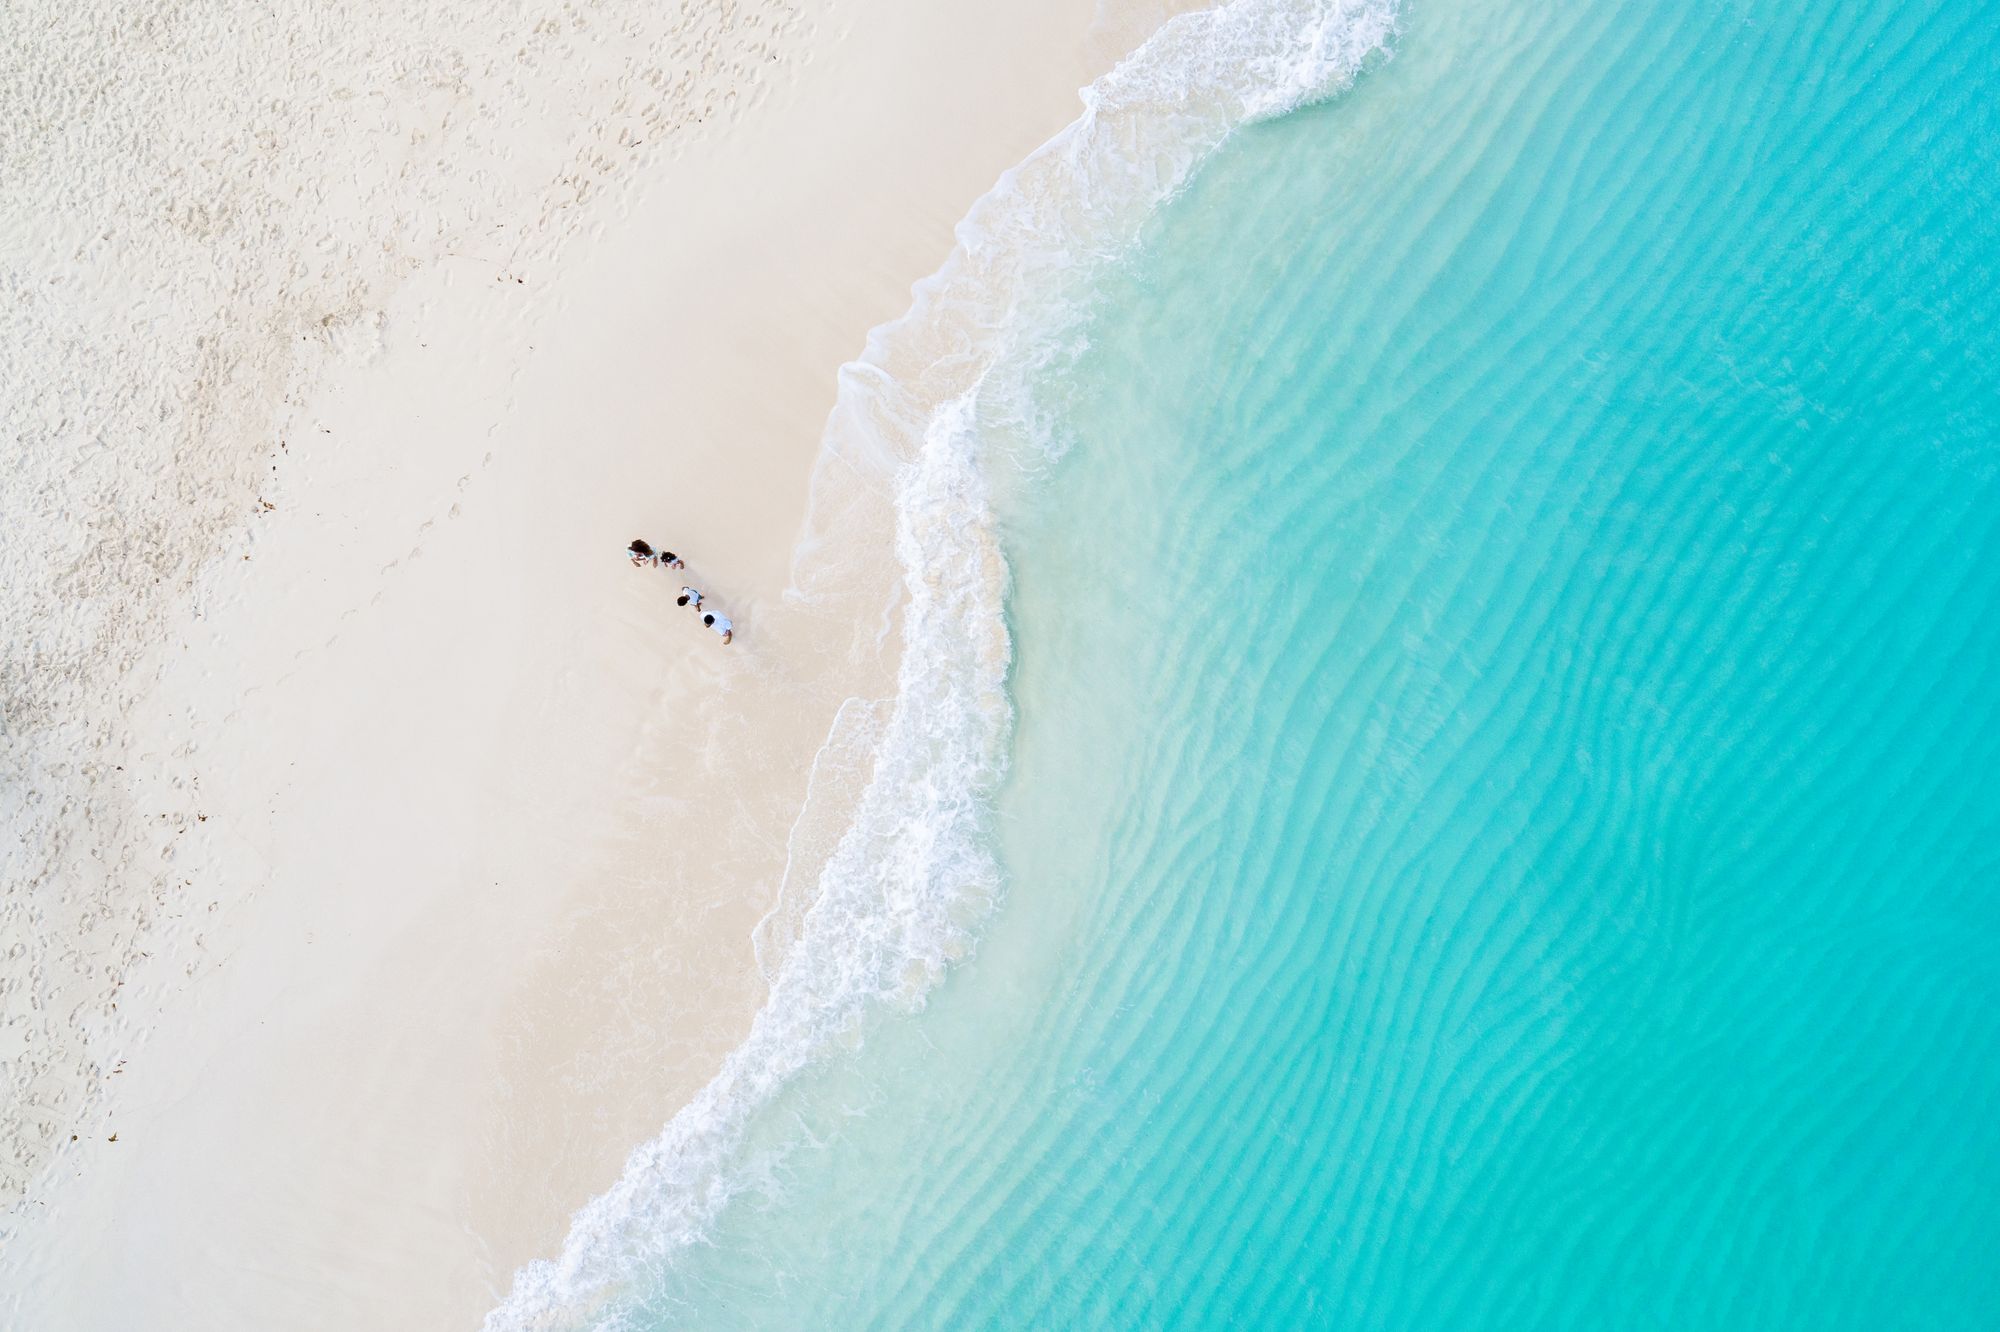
{"x": 453, "y": 830}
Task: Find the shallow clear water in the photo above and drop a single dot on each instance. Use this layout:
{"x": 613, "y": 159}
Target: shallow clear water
{"x": 1502, "y": 827}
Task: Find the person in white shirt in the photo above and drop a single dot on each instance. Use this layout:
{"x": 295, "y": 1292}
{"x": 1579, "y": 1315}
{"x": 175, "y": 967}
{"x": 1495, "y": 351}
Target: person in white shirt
{"x": 720, "y": 624}
{"x": 688, "y": 597}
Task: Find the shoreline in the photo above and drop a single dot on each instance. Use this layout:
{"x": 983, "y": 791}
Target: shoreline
{"x": 939, "y": 415}
{"x": 429, "y": 1019}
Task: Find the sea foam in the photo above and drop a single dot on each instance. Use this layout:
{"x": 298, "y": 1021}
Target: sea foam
{"x": 927, "y": 422}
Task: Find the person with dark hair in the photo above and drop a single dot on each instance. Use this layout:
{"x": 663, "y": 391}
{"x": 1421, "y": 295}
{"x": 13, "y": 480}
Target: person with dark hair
{"x": 688, "y": 597}
{"x": 721, "y": 625}
{"x": 643, "y": 554}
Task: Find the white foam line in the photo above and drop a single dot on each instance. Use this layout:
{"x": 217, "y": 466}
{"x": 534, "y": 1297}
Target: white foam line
{"x": 937, "y": 401}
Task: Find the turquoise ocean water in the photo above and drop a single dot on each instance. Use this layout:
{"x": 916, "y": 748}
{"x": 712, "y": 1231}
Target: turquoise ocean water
{"x": 1502, "y": 823}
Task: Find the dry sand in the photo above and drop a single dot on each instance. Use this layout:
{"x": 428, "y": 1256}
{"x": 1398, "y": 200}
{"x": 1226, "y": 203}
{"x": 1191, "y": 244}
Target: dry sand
{"x": 482, "y": 821}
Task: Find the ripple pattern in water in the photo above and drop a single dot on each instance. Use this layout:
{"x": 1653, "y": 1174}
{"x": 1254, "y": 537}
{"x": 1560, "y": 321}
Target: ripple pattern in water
{"x": 1504, "y": 825}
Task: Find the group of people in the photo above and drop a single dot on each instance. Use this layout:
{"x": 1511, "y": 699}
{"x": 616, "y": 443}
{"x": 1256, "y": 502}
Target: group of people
{"x": 643, "y": 554}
